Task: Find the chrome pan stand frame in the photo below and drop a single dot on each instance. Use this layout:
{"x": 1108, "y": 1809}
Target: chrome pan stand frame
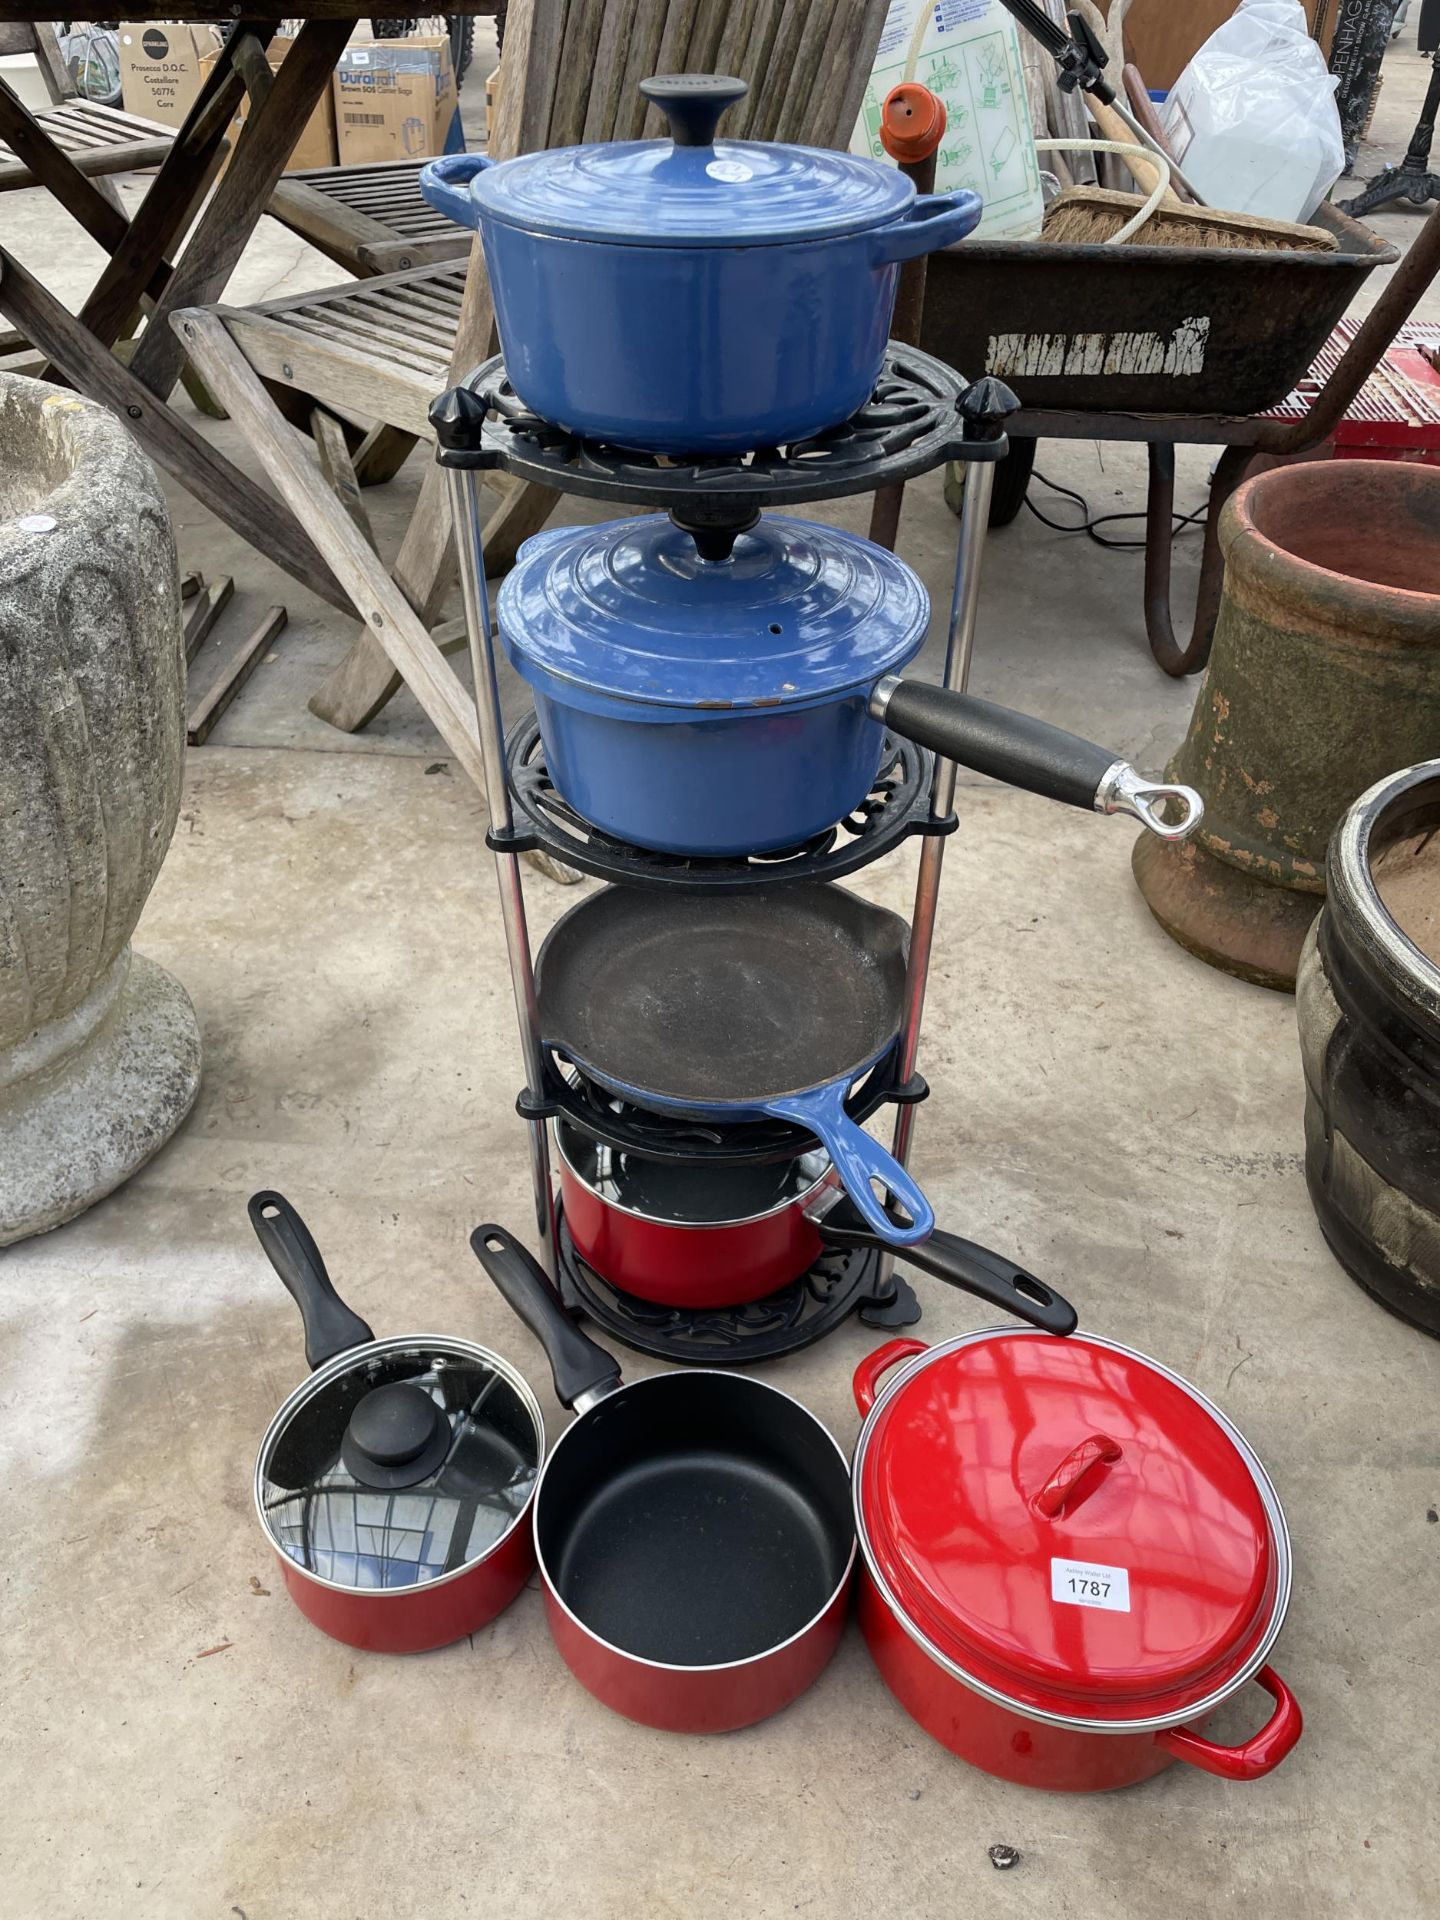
{"x": 464, "y": 491}
{"x": 464, "y": 479}
{"x": 960, "y": 644}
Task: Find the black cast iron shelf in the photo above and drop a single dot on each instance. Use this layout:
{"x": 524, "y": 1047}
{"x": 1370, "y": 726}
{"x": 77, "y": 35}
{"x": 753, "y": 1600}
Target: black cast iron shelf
{"x": 897, "y": 806}
{"x": 921, "y": 415}
{"x": 568, "y": 1095}
{"x": 795, "y": 1316}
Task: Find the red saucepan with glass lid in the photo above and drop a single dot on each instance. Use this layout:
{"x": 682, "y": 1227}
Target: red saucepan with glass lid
{"x": 396, "y": 1483}
{"x": 1070, "y": 1559}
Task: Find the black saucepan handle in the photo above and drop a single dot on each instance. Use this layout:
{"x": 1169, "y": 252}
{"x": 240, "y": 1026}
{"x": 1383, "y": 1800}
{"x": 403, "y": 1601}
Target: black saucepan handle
{"x": 577, "y": 1365}
{"x": 694, "y": 103}
{"x": 330, "y": 1326}
{"x": 1030, "y": 753}
{"x": 960, "y": 1263}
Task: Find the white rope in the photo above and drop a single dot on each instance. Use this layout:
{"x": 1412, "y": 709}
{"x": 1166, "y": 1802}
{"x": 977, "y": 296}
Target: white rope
{"x": 1128, "y": 149}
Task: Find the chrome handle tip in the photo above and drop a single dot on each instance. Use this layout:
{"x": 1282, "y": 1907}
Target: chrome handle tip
{"x": 1123, "y": 790}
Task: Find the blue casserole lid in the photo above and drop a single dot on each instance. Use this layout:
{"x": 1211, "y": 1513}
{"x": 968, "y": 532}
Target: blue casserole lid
{"x": 691, "y": 190}
{"x": 627, "y": 615}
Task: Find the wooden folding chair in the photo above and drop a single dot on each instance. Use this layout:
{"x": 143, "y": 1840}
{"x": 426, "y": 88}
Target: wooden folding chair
{"x": 99, "y": 140}
{"x": 385, "y": 346}
{"x": 368, "y": 219}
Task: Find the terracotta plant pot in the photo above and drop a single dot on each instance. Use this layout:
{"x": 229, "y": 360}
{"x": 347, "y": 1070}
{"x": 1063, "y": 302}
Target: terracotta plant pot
{"x": 1325, "y": 677}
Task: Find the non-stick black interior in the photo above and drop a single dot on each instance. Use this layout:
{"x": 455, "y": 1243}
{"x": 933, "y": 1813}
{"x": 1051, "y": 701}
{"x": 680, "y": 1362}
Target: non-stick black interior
{"x": 696, "y": 1519}
{"x": 736, "y": 999}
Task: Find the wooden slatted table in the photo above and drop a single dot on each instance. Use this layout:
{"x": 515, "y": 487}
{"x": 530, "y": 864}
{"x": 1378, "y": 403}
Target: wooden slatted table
{"x": 146, "y": 271}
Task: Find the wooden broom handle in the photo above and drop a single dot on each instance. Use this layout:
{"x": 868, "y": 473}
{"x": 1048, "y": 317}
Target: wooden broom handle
{"x": 1145, "y": 172}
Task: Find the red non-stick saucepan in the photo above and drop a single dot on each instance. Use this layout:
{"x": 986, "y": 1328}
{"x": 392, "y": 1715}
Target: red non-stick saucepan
{"x": 690, "y": 1235}
{"x": 694, "y": 1531}
{"x": 394, "y": 1484}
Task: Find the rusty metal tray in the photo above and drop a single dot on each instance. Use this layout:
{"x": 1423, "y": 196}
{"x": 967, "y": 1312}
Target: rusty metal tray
{"x": 1144, "y": 329}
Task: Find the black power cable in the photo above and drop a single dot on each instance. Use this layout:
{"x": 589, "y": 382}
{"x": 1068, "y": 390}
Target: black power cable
{"x": 1092, "y": 521}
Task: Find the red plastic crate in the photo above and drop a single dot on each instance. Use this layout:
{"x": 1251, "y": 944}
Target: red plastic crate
{"x": 1396, "y": 414}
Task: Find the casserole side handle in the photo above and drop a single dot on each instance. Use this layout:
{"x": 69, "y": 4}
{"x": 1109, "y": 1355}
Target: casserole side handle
{"x": 1253, "y": 1758}
{"x": 932, "y": 221}
{"x": 445, "y": 185}
{"x": 866, "y": 1382}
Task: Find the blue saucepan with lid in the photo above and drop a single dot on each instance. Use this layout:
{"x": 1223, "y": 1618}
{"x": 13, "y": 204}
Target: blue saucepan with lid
{"x": 693, "y": 295}
{"x": 738, "y": 703}
{"x": 709, "y": 707}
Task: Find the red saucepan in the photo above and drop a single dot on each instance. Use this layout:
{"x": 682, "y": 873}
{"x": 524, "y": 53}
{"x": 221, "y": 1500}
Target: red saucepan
{"x": 687, "y": 1234}
{"x": 1071, "y": 1559}
{"x": 394, "y": 1484}
{"x": 693, "y": 1530}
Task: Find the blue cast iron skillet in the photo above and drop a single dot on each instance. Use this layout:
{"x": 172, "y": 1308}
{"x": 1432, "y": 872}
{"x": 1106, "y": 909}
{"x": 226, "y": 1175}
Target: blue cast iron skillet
{"x": 748, "y": 1007}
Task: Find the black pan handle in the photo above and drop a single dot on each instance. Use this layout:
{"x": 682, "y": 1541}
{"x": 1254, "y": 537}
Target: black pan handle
{"x": 963, "y": 1264}
{"x": 1030, "y": 753}
{"x": 578, "y": 1367}
{"x": 694, "y": 103}
{"x": 330, "y": 1326}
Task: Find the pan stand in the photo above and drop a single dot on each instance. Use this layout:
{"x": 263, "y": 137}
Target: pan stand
{"x": 944, "y": 419}
{"x": 470, "y": 545}
{"x": 964, "y": 604}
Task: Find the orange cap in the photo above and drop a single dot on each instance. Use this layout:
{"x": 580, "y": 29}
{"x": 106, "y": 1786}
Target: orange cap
{"x": 912, "y": 122}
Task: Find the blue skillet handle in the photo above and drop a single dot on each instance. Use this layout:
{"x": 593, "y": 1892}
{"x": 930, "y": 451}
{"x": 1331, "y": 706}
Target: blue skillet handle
{"x": 445, "y": 184}
{"x": 858, "y": 1159}
{"x": 933, "y": 221}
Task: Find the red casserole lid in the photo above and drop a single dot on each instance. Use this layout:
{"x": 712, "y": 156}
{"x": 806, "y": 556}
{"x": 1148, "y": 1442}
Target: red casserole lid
{"x": 1070, "y": 1528}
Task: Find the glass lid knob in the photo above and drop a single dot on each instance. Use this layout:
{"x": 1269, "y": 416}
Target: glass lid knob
{"x": 397, "y": 1436}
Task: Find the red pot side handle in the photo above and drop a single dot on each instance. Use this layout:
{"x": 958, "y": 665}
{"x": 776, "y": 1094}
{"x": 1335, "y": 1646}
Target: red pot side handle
{"x": 867, "y": 1374}
{"x": 1255, "y": 1757}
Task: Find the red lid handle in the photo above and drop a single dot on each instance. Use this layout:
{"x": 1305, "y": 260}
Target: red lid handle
{"x": 1098, "y": 1451}
{"x": 912, "y": 122}
{"x": 1257, "y": 1756}
{"x": 867, "y": 1374}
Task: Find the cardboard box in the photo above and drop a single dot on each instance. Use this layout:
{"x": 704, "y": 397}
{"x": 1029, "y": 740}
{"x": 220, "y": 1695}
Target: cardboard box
{"x": 162, "y": 63}
{"x": 316, "y": 145}
{"x": 394, "y": 99}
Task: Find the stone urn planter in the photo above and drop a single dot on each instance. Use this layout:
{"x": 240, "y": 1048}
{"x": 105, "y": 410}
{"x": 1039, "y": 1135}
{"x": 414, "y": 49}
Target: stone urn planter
{"x": 99, "y": 1049}
{"x": 1325, "y": 677}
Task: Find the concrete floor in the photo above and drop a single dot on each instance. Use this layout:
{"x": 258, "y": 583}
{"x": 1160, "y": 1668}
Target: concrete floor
{"x": 181, "y": 1743}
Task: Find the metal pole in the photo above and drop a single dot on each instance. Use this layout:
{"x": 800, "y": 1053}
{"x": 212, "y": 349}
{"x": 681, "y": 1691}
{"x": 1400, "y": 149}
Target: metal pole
{"x": 964, "y": 602}
{"x": 464, "y": 491}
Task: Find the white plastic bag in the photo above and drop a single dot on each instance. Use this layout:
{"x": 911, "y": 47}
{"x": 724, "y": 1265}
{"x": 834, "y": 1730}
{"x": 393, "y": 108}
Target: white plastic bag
{"x": 1253, "y": 120}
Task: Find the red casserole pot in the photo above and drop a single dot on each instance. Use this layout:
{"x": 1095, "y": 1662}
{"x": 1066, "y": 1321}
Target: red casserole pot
{"x": 688, "y": 1234}
{"x": 1070, "y": 1559}
{"x": 396, "y": 1483}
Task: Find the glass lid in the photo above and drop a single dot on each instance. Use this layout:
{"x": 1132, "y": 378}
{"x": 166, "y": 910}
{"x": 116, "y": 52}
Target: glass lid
{"x": 687, "y": 1192}
{"x": 691, "y": 189}
{"x": 398, "y": 1465}
{"x": 629, "y": 610}
{"x": 1072, "y": 1526}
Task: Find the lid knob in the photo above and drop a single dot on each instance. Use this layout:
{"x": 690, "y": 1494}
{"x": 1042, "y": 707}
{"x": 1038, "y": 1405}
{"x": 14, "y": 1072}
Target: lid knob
{"x": 1063, "y": 1488}
{"x": 693, "y": 103}
{"x": 397, "y": 1436}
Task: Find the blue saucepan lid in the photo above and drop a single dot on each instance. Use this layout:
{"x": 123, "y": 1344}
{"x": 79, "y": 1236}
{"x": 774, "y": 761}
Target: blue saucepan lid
{"x": 692, "y": 190}
{"x": 627, "y": 615}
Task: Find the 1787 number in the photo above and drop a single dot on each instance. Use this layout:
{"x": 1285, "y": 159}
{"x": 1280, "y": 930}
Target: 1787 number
{"x": 1092, "y": 1589}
